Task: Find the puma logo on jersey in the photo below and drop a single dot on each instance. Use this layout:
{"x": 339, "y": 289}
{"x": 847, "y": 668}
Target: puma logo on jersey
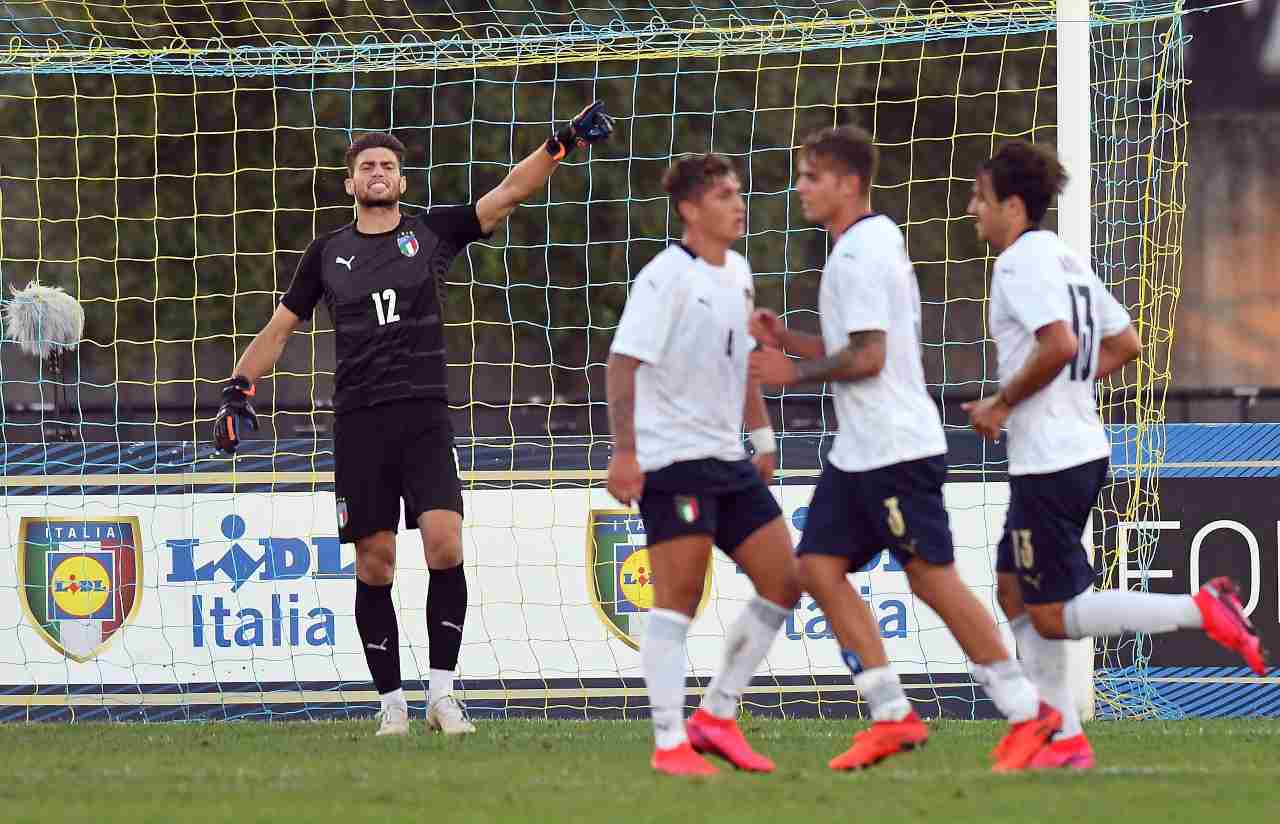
{"x": 705, "y": 302}
{"x": 451, "y": 625}
{"x": 345, "y": 261}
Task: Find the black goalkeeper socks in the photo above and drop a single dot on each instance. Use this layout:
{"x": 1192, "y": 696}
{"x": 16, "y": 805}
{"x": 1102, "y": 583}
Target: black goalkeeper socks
{"x": 376, "y": 621}
{"x": 446, "y": 612}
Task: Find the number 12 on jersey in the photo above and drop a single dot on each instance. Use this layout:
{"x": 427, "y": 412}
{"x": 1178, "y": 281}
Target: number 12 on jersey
{"x": 388, "y": 314}
{"x": 1082, "y": 326}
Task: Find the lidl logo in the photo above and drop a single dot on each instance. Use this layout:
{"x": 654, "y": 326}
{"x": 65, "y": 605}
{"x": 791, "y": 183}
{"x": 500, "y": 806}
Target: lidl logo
{"x": 79, "y": 580}
{"x": 80, "y": 585}
{"x": 620, "y": 573}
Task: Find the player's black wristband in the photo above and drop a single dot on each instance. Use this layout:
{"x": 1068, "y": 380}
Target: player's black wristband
{"x": 560, "y": 144}
{"x": 239, "y": 384}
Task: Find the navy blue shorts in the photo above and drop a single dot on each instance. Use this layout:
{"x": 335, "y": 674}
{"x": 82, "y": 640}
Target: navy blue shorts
{"x": 1043, "y": 531}
{"x": 856, "y": 515}
{"x": 727, "y": 500}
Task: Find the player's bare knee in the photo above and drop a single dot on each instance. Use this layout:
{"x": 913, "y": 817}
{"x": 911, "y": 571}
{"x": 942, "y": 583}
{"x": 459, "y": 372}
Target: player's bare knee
{"x": 784, "y": 593}
{"x": 376, "y": 561}
{"x": 1049, "y": 620}
{"x": 689, "y": 597}
{"x": 683, "y": 599}
{"x": 443, "y": 551}
{"x": 813, "y": 577}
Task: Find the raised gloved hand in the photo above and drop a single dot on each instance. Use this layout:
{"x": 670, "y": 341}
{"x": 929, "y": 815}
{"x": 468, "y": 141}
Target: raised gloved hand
{"x": 592, "y": 125}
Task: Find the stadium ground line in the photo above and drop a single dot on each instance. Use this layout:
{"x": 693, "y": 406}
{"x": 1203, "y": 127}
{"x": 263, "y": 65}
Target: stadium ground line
{"x": 371, "y": 696}
{"x": 535, "y": 694}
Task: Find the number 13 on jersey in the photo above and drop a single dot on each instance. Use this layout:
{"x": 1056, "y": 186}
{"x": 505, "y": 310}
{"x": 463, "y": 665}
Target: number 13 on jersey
{"x": 384, "y": 303}
{"x": 1082, "y": 326}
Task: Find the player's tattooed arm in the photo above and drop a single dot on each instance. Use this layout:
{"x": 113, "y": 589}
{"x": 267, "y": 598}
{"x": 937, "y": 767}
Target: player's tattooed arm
{"x": 862, "y": 358}
{"x": 620, "y": 386}
{"x": 626, "y": 481}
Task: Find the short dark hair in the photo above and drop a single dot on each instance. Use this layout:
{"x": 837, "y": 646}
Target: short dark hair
{"x": 849, "y": 147}
{"x": 1029, "y": 170}
{"x": 373, "y": 140}
{"x": 691, "y": 175}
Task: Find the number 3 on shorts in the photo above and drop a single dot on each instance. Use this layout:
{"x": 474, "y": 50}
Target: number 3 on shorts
{"x": 897, "y": 524}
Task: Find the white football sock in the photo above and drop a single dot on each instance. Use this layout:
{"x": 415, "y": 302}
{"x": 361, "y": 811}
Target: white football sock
{"x": 662, "y": 657}
{"x": 1114, "y": 611}
{"x": 749, "y": 640}
{"x": 395, "y": 698}
{"x": 1009, "y": 689}
{"x": 1045, "y": 662}
{"x": 882, "y": 690}
{"x": 439, "y": 685}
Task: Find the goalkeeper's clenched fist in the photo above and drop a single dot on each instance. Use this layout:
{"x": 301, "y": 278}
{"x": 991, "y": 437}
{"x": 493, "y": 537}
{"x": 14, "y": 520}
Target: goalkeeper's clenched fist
{"x": 592, "y": 125}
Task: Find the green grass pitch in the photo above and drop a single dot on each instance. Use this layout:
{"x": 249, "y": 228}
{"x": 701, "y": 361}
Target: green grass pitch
{"x": 561, "y": 771}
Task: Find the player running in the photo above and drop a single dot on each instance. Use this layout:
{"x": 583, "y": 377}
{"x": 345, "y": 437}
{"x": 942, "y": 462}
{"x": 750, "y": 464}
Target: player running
{"x": 882, "y": 485}
{"x": 678, "y": 395}
{"x": 1057, "y": 331}
{"x": 382, "y": 279}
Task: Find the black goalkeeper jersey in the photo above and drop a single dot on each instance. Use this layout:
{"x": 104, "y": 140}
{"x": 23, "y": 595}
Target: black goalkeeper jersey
{"x": 385, "y": 294}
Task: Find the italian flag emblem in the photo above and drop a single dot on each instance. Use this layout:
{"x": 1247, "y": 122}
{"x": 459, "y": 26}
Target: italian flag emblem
{"x": 687, "y": 508}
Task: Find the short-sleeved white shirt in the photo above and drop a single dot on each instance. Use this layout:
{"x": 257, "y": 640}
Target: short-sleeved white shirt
{"x": 868, "y": 283}
{"x": 687, "y": 321}
{"x": 1038, "y": 280}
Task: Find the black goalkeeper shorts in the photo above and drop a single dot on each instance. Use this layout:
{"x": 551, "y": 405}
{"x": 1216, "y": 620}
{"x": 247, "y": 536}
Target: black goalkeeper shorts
{"x": 383, "y": 454}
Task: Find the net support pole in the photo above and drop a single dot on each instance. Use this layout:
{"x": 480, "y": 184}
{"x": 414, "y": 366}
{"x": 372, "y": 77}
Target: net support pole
{"x": 1074, "y": 227}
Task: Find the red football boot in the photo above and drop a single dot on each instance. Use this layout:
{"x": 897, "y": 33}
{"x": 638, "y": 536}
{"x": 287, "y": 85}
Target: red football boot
{"x": 1073, "y": 753}
{"x": 881, "y": 740}
{"x": 721, "y": 736}
{"x": 1226, "y": 623}
{"x": 681, "y": 760}
{"x": 1025, "y": 739}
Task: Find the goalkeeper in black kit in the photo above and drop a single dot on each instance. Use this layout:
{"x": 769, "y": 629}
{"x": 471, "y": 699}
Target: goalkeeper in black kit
{"x": 382, "y": 280}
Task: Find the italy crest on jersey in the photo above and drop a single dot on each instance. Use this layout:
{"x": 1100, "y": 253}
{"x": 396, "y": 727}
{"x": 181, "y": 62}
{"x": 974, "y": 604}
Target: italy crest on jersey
{"x": 620, "y": 574}
{"x": 408, "y": 243}
{"x": 78, "y": 580}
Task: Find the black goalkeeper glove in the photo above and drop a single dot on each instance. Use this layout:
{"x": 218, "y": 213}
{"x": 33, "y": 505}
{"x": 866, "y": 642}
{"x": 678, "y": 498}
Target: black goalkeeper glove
{"x": 592, "y": 125}
{"x": 235, "y": 414}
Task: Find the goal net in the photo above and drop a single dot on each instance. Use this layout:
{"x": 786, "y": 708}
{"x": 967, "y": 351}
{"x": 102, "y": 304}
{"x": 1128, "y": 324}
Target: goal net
{"x": 167, "y": 164}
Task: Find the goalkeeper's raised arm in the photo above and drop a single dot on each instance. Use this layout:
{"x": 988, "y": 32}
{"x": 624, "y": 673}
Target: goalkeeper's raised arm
{"x": 591, "y": 125}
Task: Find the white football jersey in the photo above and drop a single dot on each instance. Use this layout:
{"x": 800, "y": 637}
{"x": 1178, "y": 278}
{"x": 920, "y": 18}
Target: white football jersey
{"x": 868, "y": 283}
{"x": 1038, "y": 280}
{"x": 687, "y": 321}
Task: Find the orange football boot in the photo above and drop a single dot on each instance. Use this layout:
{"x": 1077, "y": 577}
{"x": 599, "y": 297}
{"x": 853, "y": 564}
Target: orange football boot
{"x": 881, "y": 740}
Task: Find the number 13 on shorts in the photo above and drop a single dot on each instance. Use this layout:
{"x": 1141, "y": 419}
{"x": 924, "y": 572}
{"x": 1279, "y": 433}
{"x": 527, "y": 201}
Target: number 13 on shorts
{"x": 1023, "y": 553}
